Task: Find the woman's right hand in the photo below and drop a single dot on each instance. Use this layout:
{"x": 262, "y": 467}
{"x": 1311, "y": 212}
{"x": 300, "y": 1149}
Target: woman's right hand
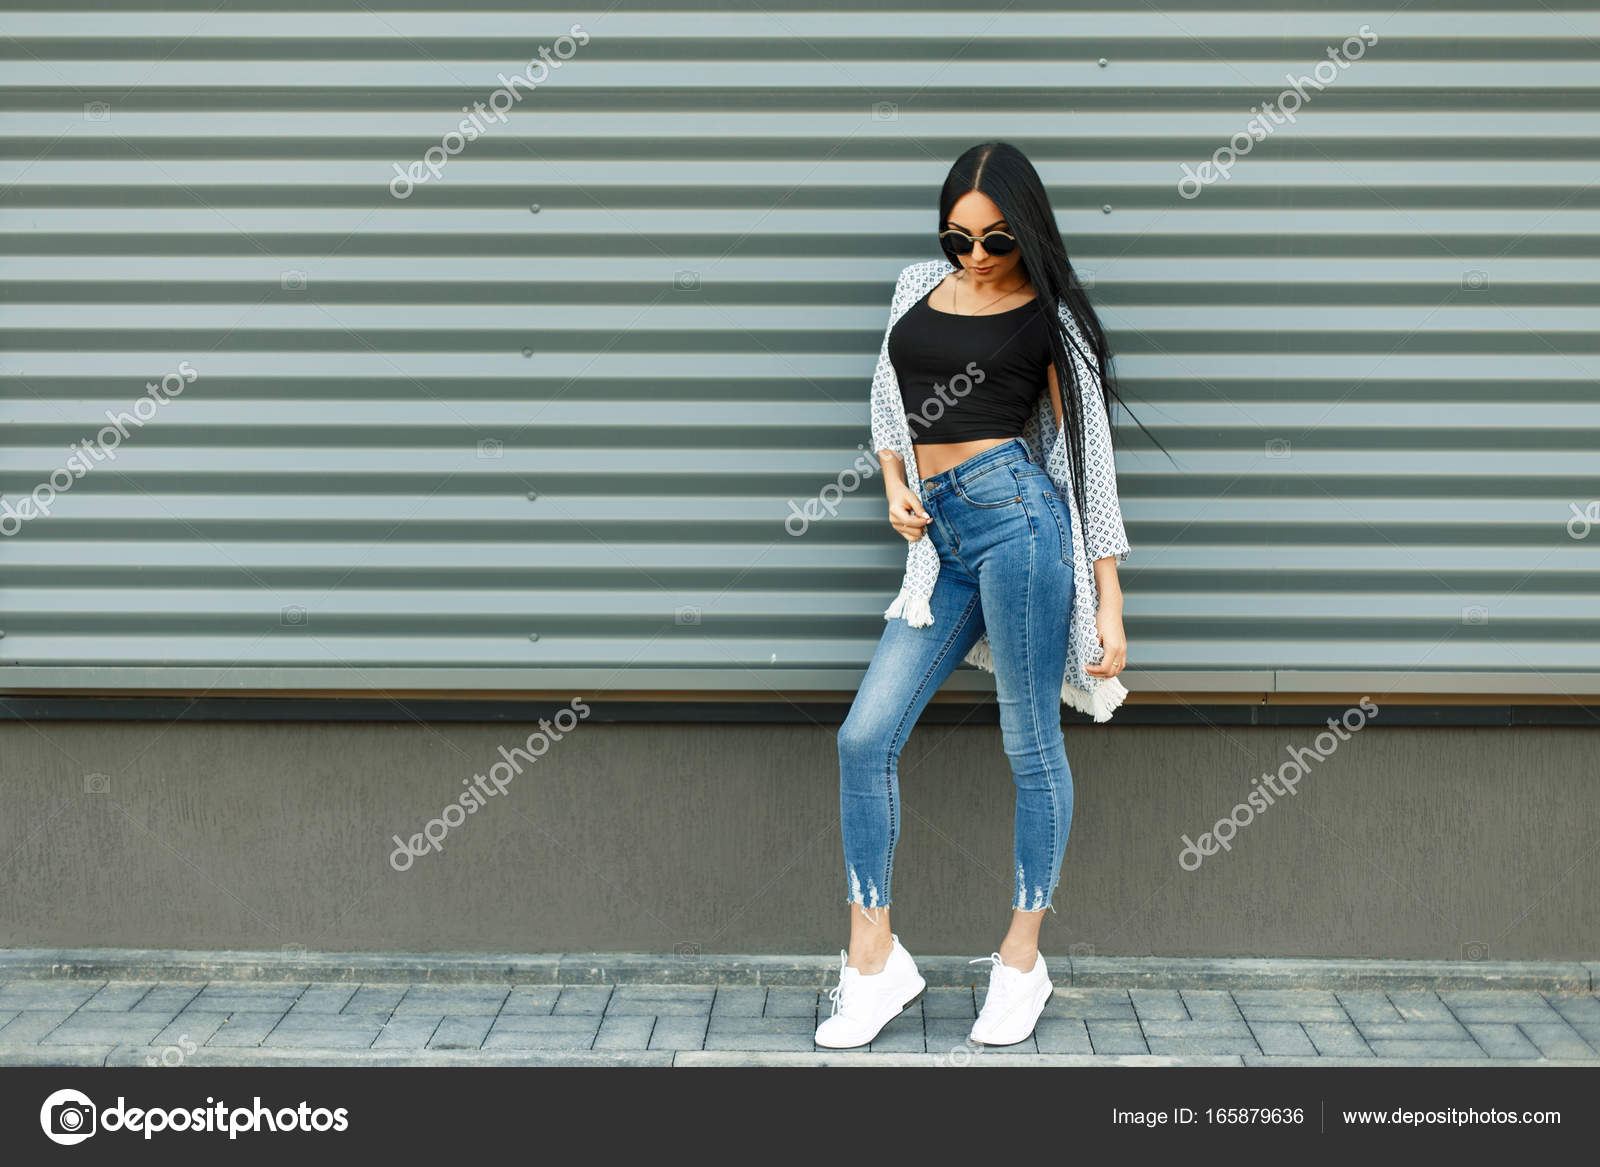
{"x": 905, "y": 512}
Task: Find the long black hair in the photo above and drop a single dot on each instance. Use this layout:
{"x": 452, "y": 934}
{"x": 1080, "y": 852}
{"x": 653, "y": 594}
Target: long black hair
{"x": 1003, "y": 173}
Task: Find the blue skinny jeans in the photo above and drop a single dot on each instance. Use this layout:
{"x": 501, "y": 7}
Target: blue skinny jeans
{"x": 1004, "y": 539}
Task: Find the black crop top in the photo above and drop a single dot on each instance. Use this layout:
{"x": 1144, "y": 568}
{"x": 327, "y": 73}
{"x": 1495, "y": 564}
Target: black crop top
{"x": 968, "y": 377}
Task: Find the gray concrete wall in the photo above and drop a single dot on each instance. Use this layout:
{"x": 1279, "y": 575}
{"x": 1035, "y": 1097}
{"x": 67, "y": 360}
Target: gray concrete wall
{"x": 1406, "y": 842}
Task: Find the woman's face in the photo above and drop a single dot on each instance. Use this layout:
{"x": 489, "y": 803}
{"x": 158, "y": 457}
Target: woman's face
{"x": 976, "y": 214}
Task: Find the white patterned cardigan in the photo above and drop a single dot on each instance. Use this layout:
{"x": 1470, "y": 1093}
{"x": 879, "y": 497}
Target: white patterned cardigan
{"x": 1094, "y": 536}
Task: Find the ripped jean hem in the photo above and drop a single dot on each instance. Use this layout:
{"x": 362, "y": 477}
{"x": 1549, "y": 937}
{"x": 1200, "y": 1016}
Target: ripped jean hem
{"x": 869, "y": 913}
{"x": 1021, "y": 907}
{"x": 1041, "y": 901}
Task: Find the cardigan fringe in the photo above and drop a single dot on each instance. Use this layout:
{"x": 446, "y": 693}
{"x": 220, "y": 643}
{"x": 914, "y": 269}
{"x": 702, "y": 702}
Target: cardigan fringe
{"x": 1099, "y": 703}
{"x": 918, "y": 612}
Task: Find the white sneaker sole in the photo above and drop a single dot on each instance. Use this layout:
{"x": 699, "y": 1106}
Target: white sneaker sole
{"x": 921, "y": 985}
{"x": 1040, "y": 997}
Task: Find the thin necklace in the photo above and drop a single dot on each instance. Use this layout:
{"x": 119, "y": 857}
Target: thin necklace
{"x": 996, "y": 300}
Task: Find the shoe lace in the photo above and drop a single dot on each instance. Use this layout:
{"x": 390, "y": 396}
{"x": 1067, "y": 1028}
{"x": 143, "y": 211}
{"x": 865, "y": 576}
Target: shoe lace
{"x": 837, "y": 993}
{"x": 993, "y": 958}
{"x": 996, "y": 981}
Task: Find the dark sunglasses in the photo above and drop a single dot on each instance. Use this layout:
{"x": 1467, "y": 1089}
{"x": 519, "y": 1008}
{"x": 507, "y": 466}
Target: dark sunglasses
{"x": 960, "y": 243}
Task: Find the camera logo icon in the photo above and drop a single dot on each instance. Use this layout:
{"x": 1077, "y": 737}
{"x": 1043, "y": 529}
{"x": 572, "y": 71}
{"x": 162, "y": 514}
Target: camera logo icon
{"x": 68, "y": 1117}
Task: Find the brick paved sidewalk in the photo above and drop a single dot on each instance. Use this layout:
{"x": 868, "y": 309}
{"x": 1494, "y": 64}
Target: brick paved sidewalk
{"x": 86, "y": 1021}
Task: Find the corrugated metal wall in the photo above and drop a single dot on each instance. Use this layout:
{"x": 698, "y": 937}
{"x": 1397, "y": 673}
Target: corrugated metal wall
{"x": 539, "y": 424}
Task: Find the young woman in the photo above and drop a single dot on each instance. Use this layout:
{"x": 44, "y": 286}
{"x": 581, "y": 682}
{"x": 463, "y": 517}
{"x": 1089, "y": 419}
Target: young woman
{"x": 989, "y": 416}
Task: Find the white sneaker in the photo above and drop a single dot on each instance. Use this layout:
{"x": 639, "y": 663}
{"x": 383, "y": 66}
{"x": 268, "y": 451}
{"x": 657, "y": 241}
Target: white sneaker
{"x": 1015, "y": 999}
{"x": 863, "y": 1005}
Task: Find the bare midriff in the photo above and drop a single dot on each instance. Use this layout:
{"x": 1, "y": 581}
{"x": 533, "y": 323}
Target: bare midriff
{"x": 937, "y": 457}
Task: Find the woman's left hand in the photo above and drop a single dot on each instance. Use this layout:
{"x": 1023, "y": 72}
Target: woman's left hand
{"x": 1115, "y": 645}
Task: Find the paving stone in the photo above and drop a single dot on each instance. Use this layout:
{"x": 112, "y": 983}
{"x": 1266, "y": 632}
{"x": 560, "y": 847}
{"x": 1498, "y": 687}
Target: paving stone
{"x": 324, "y": 999}
{"x": 1285, "y": 998}
{"x": 376, "y": 999}
{"x": 244, "y": 1028}
{"x": 1337, "y": 1039}
{"x": 737, "y": 1025}
{"x": 1158, "y": 1005}
{"x": 944, "y": 1052}
{"x": 902, "y": 1035}
{"x": 532, "y": 999}
{"x": 1508, "y": 1015}
{"x": 461, "y": 1031}
{"x": 30, "y": 1025}
{"x": 542, "y": 1023}
{"x": 1589, "y": 1031}
{"x": 39, "y": 996}
{"x": 1290, "y": 1005}
{"x": 1202, "y": 1046}
{"x": 1419, "y": 1006}
{"x": 117, "y": 997}
{"x": 1502, "y": 1040}
{"x": 1413, "y": 1031}
{"x": 1090, "y": 1005}
{"x": 1498, "y": 997}
{"x": 1118, "y": 1037}
{"x": 168, "y": 998}
{"x": 99, "y": 1028}
{"x": 759, "y": 1033}
{"x": 246, "y": 998}
{"x": 794, "y": 1003}
{"x": 1058, "y": 1035}
{"x": 1557, "y": 1040}
{"x": 1211, "y": 1005}
{"x": 1576, "y": 1007}
{"x": 1426, "y": 1049}
{"x": 545, "y": 1038}
{"x": 326, "y": 1031}
{"x": 1195, "y": 1029}
{"x": 774, "y": 1043}
{"x": 1499, "y": 1005}
{"x": 452, "y": 1000}
{"x": 678, "y": 1032}
{"x": 405, "y": 1032}
{"x": 624, "y": 1031}
{"x": 957, "y": 1003}
{"x": 1277, "y": 1037}
{"x": 189, "y": 1029}
{"x": 946, "y": 1035}
{"x": 739, "y": 1002}
{"x": 662, "y": 1001}
{"x": 583, "y": 1000}
{"x": 1373, "y": 1006}
{"x": 56, "y": 1056}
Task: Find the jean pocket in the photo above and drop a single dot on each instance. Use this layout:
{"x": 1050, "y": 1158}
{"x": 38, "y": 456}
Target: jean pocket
{"x": 1057, "y": 507}
{"x": 992, "y": 488}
